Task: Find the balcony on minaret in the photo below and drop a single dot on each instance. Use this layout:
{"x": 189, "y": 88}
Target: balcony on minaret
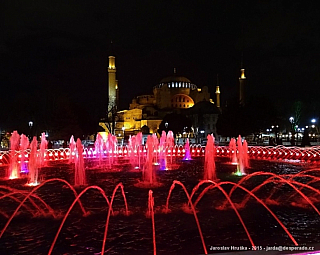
{"x": 242, "y": 76}
{"x": 112, "y": 63}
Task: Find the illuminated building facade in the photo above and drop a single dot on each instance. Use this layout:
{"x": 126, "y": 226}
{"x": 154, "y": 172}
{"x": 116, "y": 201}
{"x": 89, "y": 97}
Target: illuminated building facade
{"x": 172, "y": 94}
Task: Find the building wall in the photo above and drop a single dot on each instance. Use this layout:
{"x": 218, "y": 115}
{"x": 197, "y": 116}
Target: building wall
{"x": 152, "y": 124}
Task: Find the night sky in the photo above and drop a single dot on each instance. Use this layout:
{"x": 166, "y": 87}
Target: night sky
{"x": 55, "y": 48}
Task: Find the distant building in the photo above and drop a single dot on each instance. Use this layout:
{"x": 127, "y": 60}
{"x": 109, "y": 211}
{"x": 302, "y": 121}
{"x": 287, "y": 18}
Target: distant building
{"x": 204, "y": 116}
{"x": 172, "y": 94}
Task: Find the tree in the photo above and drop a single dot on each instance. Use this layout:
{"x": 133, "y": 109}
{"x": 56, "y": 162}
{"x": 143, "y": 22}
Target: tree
{"x": 253, "y": 117}
{"x": 295, "y": 119}
{"x": 109, "y": 122}
{"x": 177, "y": 123}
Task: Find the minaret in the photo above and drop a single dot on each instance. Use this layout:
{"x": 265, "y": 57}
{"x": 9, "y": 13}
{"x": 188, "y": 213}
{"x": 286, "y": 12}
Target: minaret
{"x": 117, "y": 95}
{"x": 242, "y": 84}
{"x": 217, "y": 93}
{"x": 112, "y": 83}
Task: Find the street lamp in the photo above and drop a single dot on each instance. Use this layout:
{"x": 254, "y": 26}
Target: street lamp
{"x": 313, "y": 121}
{"x": 293, "y": 129}
{"x": 30, "y": 126}
{"x": 291, "y": 119}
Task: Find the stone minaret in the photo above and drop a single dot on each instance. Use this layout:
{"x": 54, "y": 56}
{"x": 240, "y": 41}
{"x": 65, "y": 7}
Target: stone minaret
{"x": 242, "y": 84}
{"x": 112, "y": 83}
{"x": 217, "y": 93}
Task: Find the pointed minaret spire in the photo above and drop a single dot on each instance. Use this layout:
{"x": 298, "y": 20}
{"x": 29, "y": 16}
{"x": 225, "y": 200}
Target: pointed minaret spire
{"x": 242, "y": 78}
{"x": 242, "y": 83}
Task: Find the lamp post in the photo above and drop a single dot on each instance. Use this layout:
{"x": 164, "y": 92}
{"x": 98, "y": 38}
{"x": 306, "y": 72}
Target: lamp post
{"x": 293, "y": 130}
{"x": 30, "y": 126}
{"x": 314, "y": 121}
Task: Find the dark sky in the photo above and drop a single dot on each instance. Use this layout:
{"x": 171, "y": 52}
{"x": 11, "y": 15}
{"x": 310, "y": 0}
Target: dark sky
{"x": 62, "y": 47}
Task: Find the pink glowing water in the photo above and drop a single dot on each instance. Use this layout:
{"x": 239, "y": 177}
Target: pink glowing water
{"x": 156, "y": 148}
{"x": 233, "y": 151}
{"x": 79, "y": 173}
{"x": 33, "y": 165}
{"x": 111, "y": 147}
{"x": 138, "y": 148}
{"x": 213, "y": 186}
{"x": 170, "y": 145}
{"x": 150, "y": 214}
{"x": 43, "y": 150}
{"x": 187, "y": 155}
{"x": 24, "y": 144}
{"x": 162, "y": 151}
{"x": 135, "y": 146}
{"x": 148, "y": 171}
{"x": 72, "y": 150}
{"x": 209, "y": 163}
{"x": 242, "y": 157}
{"x": 148, "y": 174}
{"x": 98, "y": 145}
{"x": 245, "y": 154}
{"x": 14, "y": 168}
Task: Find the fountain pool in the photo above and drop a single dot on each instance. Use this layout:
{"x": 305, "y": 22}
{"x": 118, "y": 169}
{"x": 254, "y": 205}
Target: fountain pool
{"x": 173, "y": 228}
{"x": 154, "y": 200}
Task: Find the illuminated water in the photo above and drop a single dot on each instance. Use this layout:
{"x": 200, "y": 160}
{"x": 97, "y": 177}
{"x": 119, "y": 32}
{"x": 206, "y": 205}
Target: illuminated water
{"x": 175, "y": 232}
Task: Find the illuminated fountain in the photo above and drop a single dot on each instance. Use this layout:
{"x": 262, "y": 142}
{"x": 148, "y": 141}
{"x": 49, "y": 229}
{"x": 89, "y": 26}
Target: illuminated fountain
{"x": 235, "y": 197}
{"x": 156, "y": 149}
{"x": 149, "y": 179}
{"x": 111, "y": 148}
{"x": 33, "y": 165}
{"x": 162, "y": 151}
{"x": 148, "y": 173}
{"x": 233, "y": 151}
{"x": 209, "y": 163}
{"x": 180, "y": 217}
{"x": 79, "y": 173}
{"x": 187, "y": 155}
{"x": 134, "y": 150}
{"x": 43, "y": 150}
{"x": 98, "y": 145}
{"x": 14, "y": 168}
{"x": 24, "y": 145}
{"x": 170, "y": 145}
{"x": 242, "y": 157}
{"x": 72, "y": 150}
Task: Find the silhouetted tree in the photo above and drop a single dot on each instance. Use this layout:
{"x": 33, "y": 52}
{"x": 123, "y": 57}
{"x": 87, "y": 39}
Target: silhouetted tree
{"x": 256, "y": 115}
{"x": 177, "y": 123}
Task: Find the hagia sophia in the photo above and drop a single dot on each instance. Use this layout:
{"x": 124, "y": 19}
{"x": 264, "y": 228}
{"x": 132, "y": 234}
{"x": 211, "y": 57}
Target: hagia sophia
{"x": 173, "y": 94}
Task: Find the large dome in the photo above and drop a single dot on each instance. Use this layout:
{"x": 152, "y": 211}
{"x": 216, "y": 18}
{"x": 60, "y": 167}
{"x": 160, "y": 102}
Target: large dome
{"x": 175, "y": 78}
{"x": 175, "y": 81}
